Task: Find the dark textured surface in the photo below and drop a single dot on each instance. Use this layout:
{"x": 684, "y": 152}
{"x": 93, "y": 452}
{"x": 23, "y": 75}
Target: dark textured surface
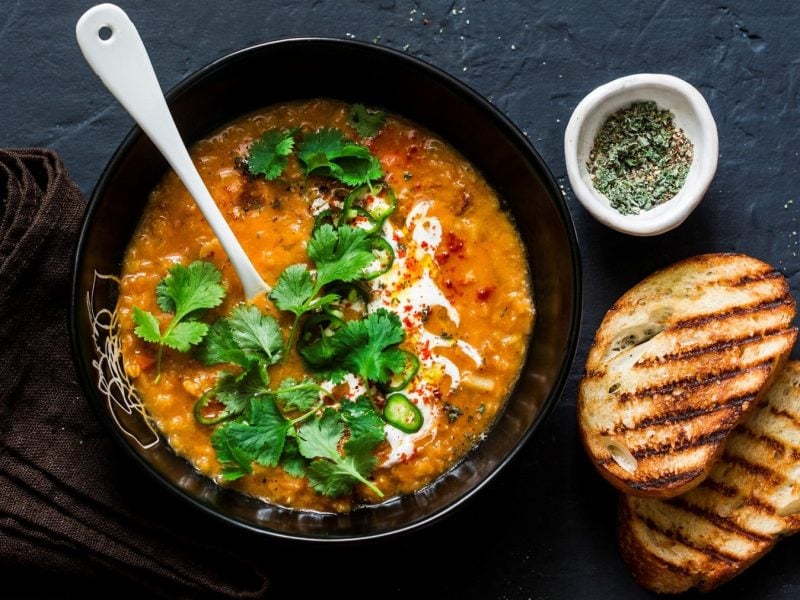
{"x": 544, "y": 528}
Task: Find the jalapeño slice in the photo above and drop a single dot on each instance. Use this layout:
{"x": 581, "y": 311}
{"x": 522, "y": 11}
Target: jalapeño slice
{"x": 410, "y": 367}
{"x": 384, "y": 258}
{"x": 403, "y": 414}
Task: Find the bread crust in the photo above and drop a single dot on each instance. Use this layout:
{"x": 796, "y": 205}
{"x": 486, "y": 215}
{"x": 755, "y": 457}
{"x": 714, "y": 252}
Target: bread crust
{"x": 677, "y": 363}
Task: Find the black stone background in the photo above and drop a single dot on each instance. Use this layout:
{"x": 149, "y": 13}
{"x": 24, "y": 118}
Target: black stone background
{"x": 544, "y": 528}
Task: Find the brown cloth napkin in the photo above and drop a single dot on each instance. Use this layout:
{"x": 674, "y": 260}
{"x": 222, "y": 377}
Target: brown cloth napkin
{"x": 73, "y": 510}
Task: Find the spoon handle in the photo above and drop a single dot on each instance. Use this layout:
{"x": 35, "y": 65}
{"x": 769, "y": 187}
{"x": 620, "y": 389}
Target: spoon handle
{"x": 111, "y": 45}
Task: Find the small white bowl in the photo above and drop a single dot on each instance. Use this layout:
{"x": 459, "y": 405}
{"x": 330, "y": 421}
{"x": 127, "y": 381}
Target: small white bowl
{"x": 691, "y": 114}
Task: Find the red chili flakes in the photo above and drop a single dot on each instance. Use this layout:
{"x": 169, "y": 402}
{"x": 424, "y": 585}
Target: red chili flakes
{"x": 408, "y": 323}
{"x": 425, "y": 351}
{"x": 484, "y": 293}
{"x": 454, "y": 245}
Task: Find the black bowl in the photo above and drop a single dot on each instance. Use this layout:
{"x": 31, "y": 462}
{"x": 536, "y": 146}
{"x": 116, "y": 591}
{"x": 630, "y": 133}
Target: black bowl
{"x": 246, "y": 81}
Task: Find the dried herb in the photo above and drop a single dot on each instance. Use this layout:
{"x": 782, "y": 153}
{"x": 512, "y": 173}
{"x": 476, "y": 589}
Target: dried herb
{"x": 639, "y": 158}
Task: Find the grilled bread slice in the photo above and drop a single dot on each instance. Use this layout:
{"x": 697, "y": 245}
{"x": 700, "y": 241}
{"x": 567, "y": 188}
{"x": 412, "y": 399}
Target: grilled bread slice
{"x": 750, "y": 499}
{"x": 678, "y": 362}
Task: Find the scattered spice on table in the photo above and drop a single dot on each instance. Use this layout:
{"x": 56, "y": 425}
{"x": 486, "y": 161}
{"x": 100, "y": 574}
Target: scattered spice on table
{"x": 639, "y": 158}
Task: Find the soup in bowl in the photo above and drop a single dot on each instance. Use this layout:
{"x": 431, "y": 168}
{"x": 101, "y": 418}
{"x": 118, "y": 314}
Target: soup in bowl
{"x": 422, "y": 311}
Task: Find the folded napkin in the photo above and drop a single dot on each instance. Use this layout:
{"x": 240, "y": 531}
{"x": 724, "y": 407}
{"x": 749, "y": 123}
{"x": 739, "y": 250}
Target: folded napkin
{"x": 73, "y": 509}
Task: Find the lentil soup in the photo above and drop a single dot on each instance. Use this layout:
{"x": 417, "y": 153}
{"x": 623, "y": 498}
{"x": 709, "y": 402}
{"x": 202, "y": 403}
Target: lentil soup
{"x": 454, "y": 302}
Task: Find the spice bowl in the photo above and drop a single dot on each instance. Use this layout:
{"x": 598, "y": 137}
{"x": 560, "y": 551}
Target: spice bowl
{"x": 691, "y": 118}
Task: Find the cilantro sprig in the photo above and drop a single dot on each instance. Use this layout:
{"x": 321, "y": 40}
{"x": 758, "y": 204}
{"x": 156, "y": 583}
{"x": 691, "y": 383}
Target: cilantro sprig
{"x": 185, "y": 292}
{"x": 269, "y": 154}
{"x": 367, "y": 347}
{"x": 327, "y": 152}
{"x": 338, "y": 255}
{"x": 366, "y": 122}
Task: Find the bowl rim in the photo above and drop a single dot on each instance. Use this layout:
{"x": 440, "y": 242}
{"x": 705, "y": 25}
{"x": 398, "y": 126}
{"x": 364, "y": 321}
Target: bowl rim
{"x": 676, "y": 210}
{"x": 520, "y": 139}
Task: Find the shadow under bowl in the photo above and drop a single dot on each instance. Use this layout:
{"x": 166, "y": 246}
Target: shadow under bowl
{"x": 241, "y": 83}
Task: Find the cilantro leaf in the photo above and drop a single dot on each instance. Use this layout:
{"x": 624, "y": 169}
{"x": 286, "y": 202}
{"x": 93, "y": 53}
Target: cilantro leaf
{"x": 327, "y": 152}
{"x": 192, "y": 288}
{"x": 235, "y": 391}
{"x": 258, "y": 438}
{"x": 147, "y": 326}
{"x": 331, "y": 473}
{"x": 364, "y": 422}
{"x": 366, "y": 122}
{"x": 184, "y": 292}
{"x": 339, "y": 254}
{"x": 269, "y": 154}
{"x": 220, "y": 347}
{"x": 235, "y": 461}
{"x": 366, "y": 347}
{"x": 291, "y": 459}
{"x": 244, "y": 338}
{"x": 255, "y": 332}
{"x": 319, "y": 438}
{"x": 301, "y": 396}
{"x": 293, "y": 290}
{"x": 185, "y": 335}
{"x": 367, "y": 343}
{"x": 356, "y": 170}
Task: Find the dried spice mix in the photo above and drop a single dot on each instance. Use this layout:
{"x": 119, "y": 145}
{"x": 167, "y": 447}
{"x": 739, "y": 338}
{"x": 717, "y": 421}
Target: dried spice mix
{"x": 639, "y": 158}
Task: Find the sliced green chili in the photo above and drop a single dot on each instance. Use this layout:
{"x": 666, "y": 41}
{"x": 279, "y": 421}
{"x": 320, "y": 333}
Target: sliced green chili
{"x": 377, "y": 206}
{"x": 356, "y": 216}
{"x": 205, "y": 414}
{"x": 400, "y": 380}
{"x": 403, "y": 414}
{"x": 384, "y": 258}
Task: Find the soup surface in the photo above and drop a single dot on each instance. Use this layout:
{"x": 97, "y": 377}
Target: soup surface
{"x": 417, "y": 354}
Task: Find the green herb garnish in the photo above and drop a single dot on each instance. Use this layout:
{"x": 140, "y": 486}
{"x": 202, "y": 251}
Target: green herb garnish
{"x": 367, "y": 347}
{"x": 269, "y": 154}
{"x": 639, "y": 158}
{"x": 367, "y": 123}
{"x": 185, "y": 292}
{"x": 328, "y": 153}
{"x": 338, "y": 254}
{"x": 330, "y": 472}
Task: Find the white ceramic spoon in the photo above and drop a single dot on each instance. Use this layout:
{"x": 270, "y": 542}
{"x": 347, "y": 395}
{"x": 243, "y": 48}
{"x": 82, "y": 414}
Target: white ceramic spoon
{"x": 112, "y": 47}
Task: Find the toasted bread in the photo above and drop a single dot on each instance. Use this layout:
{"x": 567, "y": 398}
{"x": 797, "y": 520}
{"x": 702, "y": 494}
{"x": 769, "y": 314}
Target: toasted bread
{"x": 748, "y": 502}
{"x": 678, "y": 362}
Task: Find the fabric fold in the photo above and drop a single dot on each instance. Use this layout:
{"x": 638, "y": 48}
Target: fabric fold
{"x": 70, "y": 506}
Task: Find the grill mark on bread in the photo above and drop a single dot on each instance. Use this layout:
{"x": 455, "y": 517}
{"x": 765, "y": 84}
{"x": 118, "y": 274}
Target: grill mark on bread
{"x": 691, "y": 383}
{"x": 717, "y": 520}
{"x": 753, "y": 278}
{"x": 784, "y": 299}
{"x": 690, "y": 412}
{"x": 664, "y": 480}
{"x": 777, "y": 446}
{"x": 710, "y": 348}
{"x": 731, "y": 491}
{"x": 676, "y": 535}
{"x": 779, "y": 412}
{"x": 773, "y": 477}
{"x": 682, "y": 445}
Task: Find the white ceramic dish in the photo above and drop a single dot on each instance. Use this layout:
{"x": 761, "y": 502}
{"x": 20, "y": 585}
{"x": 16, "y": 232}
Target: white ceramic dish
{"x": 691, "y": 113}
